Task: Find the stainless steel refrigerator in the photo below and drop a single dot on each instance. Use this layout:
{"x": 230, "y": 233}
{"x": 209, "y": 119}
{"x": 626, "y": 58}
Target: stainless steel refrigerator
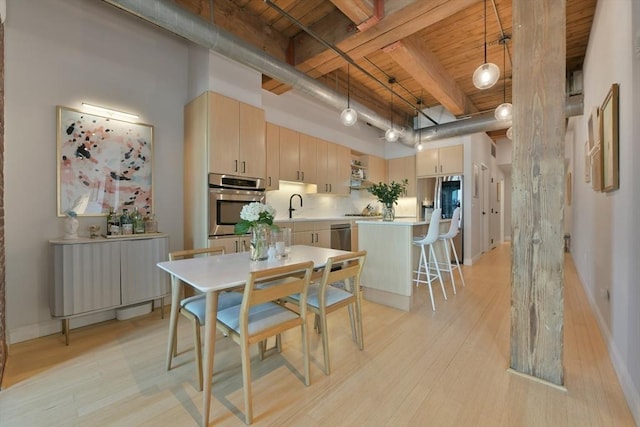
{"x": 448, "y": 196}
{"x": 446, "y": 193}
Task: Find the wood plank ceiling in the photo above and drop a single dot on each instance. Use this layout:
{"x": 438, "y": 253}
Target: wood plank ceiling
{"x": 406, "y": 54}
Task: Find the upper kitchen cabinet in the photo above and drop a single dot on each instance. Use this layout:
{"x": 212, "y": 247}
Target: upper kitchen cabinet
{"x": 236, "y": 137}
{"x": 273, "y": 156}
{"x": 377, "y": 168}
{"x": 333, "y": 168}
{"x": 297, "y": 157}
{"x": 440, "y": 161}
{"x": 403, "y": 168}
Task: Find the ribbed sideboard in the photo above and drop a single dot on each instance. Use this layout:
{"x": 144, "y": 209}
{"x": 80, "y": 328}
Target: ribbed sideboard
{"x": 92, "y": 275}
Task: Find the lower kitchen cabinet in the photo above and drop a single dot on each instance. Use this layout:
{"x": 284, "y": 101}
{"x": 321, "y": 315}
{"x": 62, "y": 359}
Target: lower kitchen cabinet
{"x": 231, "y": 244}
{"x": 94, "y": 275}
{"x": 312, "y": 233}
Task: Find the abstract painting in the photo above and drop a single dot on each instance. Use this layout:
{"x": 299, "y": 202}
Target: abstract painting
{"x": 103, "y": 164}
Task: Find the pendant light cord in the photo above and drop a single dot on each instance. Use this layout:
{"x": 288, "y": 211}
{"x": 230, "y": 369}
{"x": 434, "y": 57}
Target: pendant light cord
{"x": 504, "y": 66}
{"x": 348, "y": 87}
{"x": 485, "y": 31}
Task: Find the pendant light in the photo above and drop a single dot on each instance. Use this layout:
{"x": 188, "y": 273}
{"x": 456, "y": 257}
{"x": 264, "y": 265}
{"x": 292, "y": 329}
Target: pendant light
{"x": 418, "y": 145}
{"x": 504, "y": 110}
{"x": 349, "y": 116}
{"x": 392, "y": 134}
{"x": 510, "y": 133}
{"x": 487, "y": 74}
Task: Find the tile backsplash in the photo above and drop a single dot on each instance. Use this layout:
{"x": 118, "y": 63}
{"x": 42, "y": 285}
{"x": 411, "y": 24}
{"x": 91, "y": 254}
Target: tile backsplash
{"x": 322, "y": 206}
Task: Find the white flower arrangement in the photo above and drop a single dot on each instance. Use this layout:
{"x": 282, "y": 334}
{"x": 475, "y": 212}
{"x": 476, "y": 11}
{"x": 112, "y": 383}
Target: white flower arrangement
{"x": 253, "y": 214}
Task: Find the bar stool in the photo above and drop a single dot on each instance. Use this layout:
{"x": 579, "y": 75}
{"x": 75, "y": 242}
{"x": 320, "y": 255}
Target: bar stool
{"x": 447, "y": 240}
{"x": 429, "y": 266}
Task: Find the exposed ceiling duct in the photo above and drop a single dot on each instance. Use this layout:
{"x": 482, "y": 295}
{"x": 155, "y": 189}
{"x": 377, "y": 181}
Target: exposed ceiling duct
{"x": 166, "y": 14}
{"x": 486, "y": 122}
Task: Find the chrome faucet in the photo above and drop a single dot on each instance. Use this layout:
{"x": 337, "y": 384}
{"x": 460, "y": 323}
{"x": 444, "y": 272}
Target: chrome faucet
{"x": 291, "y": 209}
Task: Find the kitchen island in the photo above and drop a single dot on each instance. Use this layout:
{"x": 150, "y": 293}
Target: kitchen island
{"x": 387, "y": 277}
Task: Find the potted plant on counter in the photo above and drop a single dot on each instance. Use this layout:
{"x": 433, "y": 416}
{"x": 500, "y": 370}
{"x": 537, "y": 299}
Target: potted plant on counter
{"x": 388, "y": 195}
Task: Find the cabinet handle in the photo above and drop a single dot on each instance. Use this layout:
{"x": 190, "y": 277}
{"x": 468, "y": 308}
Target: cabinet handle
{"x": 316, "y": 237}
{"x": 244, "y": 167}
{"x": 236, "y": 242}
{"x": 311, "y": 237}
{"x": 330, "y": 189}
{"x": 298, "y": 175}
{"x": 302, "y": 175}
{"x": 326, "y": 188}
{"x": 435, "y": 168}
{"x": 235, "y": 162}
{"x": 269, "y": 181}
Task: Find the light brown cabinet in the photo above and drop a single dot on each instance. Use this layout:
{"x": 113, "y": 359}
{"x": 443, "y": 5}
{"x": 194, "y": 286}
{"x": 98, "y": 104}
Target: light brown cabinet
{"x": 440, "y": 161}
{"x": 231, "y": 244}
{"x": 376, "y": 168}
{"x": 273, "y": 156}
{"x": 297, "y": 157}
{"x": 221, "y": 135}
{"x": 333, "y": 168}
{"x": 401, "y": 168}
{"x": 236, "y": 136}
{"x": 312, "y": 233}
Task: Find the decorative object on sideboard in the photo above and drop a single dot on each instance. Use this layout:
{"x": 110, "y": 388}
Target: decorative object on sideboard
{"x": 71, "y": 226}
{"x": 94, "y": 231}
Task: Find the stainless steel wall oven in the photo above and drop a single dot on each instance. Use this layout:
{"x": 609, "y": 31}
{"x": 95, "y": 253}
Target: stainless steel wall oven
{"x": 227, "y": 195}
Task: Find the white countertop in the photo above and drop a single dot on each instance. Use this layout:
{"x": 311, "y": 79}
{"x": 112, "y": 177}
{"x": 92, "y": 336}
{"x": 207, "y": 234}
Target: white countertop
{"x": 401, "y": 222}
{"x": 364, "y": 218}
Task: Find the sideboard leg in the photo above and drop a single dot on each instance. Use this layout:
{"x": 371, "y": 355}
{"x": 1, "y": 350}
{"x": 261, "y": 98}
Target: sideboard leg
{"x": 65, "y": 330}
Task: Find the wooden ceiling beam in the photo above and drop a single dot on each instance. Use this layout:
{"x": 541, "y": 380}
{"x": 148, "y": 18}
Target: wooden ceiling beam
{"x": 418, "y": 60}
{"x": 402, "y": 19}
{"x": 363, "y": 13}
{"x": 397, "y": 24}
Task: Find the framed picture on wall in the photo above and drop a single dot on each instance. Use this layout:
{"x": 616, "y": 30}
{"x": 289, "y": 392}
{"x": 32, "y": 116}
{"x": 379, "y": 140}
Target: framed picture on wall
{"x": 103, "y": 163}
{"x": 476, "y": 181}
{"x": 587, "y": 162}
{"x": 596, "y": 169}
{"x": 609, "y": 140}
{"x": 593, "y": 128}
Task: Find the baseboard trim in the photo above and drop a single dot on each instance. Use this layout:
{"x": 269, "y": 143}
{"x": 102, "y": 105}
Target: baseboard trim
{"x": 537, "y": 380}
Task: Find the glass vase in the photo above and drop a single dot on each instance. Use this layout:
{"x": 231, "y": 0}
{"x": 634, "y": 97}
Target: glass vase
{"x": 388, "y": 212}
{"x": 259, "y": 243}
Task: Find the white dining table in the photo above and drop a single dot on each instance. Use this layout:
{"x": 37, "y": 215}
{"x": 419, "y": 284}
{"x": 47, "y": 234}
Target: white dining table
{"x": 212, "y": 274}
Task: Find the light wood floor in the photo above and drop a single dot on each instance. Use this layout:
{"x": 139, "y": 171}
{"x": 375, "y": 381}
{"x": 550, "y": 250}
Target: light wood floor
{"x": 447, "y": 368}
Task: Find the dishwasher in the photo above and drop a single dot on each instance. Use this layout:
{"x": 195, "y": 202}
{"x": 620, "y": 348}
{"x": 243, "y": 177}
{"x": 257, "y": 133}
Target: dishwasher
{"x": 341, "y": 237}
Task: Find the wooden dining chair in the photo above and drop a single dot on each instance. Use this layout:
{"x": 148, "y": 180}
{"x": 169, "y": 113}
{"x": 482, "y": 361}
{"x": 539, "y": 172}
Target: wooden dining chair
{"x": 194, "y": 307}
{"x": 259, "y": 317}
{"x": 326, "y": 297}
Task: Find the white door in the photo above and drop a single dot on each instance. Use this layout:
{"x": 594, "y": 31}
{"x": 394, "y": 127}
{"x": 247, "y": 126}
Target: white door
{"x": 494, "y": 214}
{"x": 485, "y": 208}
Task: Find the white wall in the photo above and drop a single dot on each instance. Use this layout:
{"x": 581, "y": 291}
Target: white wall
{"x": 63, "y": 52}
{"x": 605, "y": 232}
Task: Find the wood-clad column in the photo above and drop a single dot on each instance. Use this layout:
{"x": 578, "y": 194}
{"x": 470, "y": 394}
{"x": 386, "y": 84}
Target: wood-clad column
{"x": 3, "y": 307}
{"x": 537, "y": 274}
